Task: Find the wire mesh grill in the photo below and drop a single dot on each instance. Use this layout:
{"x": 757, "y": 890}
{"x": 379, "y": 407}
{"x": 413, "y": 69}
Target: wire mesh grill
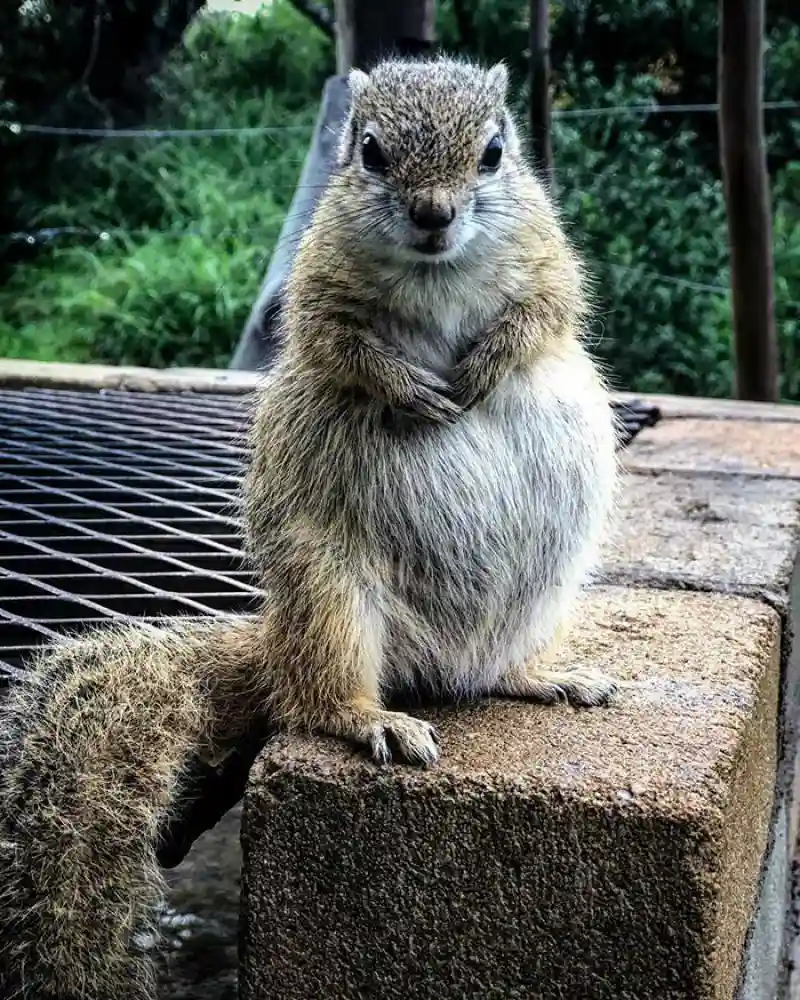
{"x": 117, "y": 505}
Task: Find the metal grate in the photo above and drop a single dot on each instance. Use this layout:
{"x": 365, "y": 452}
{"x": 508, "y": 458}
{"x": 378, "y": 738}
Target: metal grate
{"x": 119, "y": 505}
{"x": 116, "y": 505}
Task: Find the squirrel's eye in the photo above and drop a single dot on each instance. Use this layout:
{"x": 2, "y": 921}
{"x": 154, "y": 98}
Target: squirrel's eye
{"x": 372, "y": 154}
{"x": 492, "y": 155}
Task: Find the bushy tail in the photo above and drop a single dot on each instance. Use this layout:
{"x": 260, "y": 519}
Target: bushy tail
{"x": 93, "y": 746}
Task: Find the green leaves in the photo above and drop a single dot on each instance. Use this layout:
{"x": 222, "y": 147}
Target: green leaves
{"x": 192, "y": 223}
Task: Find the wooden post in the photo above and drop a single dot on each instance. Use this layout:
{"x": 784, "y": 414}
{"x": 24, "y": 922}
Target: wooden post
{"x": 365, "y": 30}
{"x": 539, "y": 113}
{"x": 747, "y": 196}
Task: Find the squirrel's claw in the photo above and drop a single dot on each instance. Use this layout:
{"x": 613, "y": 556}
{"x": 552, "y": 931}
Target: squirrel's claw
{"x": 473, "y": 380}
{"x": 414, "y": 740}
{"x": 435, "y": 407}
{"x": 433, "y": 398}
{"x": 580, "y": 687}
{"x": 466, "y": 393}
{"x": 381, "y": 753}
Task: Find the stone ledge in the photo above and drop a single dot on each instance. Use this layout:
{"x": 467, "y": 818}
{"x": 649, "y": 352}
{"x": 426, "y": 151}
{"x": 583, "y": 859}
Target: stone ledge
{"x": 58, "y": 375}
{"x": 552, "y": 853}
{"x": 737, "y": 534}
{"x": 710, "y": 504}
{"x": 718, "y": 532}
{"x": 718, "y": 447}
{"x": 680, "y": 407}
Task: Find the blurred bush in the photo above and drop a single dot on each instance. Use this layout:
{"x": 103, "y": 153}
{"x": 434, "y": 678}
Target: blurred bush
{"x": 189, "y": 223}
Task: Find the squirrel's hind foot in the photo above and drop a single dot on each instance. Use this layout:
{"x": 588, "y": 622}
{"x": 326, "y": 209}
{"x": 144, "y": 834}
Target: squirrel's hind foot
{"x": 582, "y": 687}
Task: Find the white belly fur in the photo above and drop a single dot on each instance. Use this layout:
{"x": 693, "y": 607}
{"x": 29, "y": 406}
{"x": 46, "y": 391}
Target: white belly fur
{"x": 471, "y": 541}
{"x": 493, "y": 536}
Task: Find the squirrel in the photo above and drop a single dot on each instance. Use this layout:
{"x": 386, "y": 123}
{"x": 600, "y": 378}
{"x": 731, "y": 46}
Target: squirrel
{"x": 433, "y": 467}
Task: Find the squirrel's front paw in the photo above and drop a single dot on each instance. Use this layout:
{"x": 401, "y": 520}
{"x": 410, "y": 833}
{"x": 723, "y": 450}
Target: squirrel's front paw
{"x": 581, "y": 687}
{"x": 431, "y": 398}
{"x": 585, "y": 687}
{"x": 475, "y": 377}
{"x": 434, "y": 407}
{"x": 414, "y": 740}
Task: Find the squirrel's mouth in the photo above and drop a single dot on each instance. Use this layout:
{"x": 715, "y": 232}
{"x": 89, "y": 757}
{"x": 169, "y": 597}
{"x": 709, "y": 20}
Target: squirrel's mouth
{"x": 435, "y": 243}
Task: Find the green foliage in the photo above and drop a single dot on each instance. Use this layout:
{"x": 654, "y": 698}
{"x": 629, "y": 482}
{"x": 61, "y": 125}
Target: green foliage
{"x": 74, "y": 63}
{"x": 276, "y": 52}
{"x": 786, "y": 240}
{"x": 160, "y": 303}
{"x": 648, "y": 217}
{"x": 642, "y": 194}
{"x": 497, "y": 29}
{"x": 192, "y": 222}
{"x": 674, "y": 39}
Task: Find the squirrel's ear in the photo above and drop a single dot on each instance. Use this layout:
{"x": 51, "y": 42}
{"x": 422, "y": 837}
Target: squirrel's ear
{"x": 498, "y": 82}
{"x": 347, "y": 142}
{"x": 357, "y": 80}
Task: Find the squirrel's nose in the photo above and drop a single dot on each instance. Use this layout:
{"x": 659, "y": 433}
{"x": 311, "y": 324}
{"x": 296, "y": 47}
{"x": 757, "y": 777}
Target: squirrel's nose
{"x": 432, "y": 215}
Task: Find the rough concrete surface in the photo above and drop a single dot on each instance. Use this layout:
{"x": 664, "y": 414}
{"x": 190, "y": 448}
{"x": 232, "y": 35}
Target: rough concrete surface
{"x": 552, "y": 853}
{"x": 763, "y": 970}
{"x": 789, "y": 791}
{"x": 727, "y": 520}
{"x": 719, "y": 532}
{"x": 751, "y": 447}
{"x": 677, "y": 407}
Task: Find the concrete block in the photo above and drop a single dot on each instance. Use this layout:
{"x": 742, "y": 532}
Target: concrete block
{"x": 725, "y": 533}
{"x": 736, "y": 534}
{"x": 765, "y": 974}
{"x": 552, "y": 853}
{"x": 749, "y": 447}
{"x": 672, "y": 407}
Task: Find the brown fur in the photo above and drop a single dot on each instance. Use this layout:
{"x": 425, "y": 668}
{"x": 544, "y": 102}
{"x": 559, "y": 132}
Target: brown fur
{"x": 92, "y": 748}
{"x": 413, "y": 402}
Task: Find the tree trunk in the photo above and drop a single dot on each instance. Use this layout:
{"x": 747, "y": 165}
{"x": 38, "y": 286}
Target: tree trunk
{"x": 744, "y": 169}
{"x": 539, "y": 112}
{"x": 365, "y": 31}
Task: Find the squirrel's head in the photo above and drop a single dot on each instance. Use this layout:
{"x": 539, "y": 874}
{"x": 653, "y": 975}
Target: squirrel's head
{"x": 432, "y": 155}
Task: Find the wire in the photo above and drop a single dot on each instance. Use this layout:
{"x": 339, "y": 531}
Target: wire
{"x": 46, "y": 234}
{"x": 658, "y": 109}
{"x": 697, "y": 286}
{"x": 643, "y": 272}
{"x": 106, "y": 235}
{"x": 18, "y": 128}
